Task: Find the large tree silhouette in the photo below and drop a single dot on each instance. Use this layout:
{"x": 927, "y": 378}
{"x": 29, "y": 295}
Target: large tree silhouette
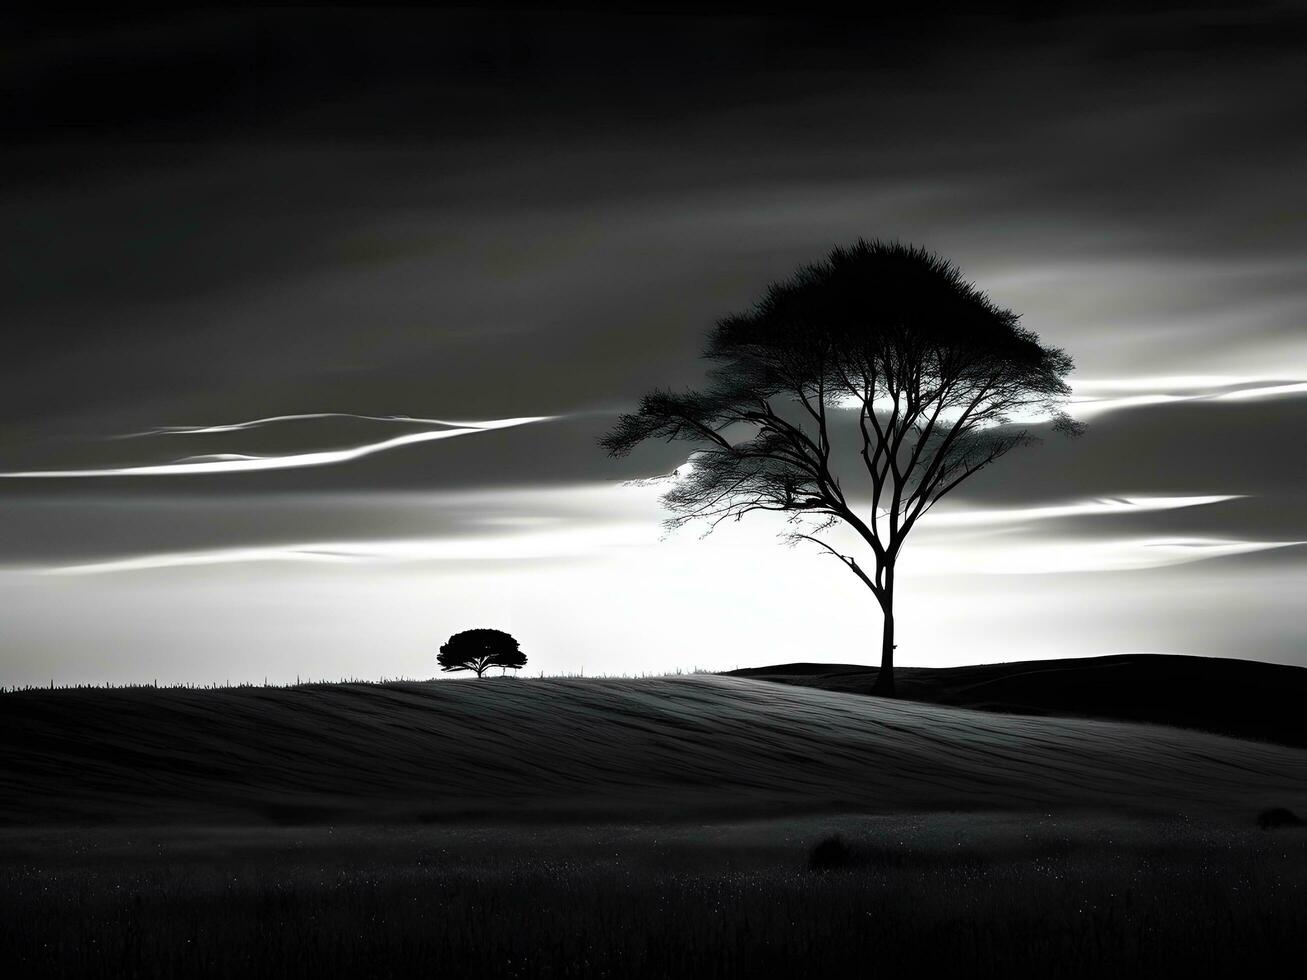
{"x": 860, "y": 391}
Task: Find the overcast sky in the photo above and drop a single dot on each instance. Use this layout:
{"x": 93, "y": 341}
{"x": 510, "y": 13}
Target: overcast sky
{"x": 312, "y": 319}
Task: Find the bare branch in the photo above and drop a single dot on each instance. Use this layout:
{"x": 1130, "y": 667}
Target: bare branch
{"x": 848, "y": 561}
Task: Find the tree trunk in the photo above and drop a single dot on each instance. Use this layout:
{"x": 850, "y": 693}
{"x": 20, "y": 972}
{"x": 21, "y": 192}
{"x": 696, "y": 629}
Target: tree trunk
{"x": 884, "y": 686}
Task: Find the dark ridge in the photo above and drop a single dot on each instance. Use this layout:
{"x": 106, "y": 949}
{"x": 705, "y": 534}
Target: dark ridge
{"x": 1241, "y": 698}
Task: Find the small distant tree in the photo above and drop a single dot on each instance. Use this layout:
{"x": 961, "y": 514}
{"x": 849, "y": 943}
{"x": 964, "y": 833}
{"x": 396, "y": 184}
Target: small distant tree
{"x": 479, "y": 650}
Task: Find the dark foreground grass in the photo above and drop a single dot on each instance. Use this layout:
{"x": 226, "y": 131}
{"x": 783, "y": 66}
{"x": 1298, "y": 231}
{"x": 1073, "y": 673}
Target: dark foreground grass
{"x": 938, "y": 895}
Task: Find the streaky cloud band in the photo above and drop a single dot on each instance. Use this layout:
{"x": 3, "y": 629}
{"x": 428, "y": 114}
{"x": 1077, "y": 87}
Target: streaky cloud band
{"x": 1094, "y": 397}
{"x": 1069, "y": 557}
{"x": 1033, "y": 558}
{"x": 1100, "y": 507}
{"x": 167, "y": 430}
{"x": 227, "y": 463}
{"x": 530, "y": 546}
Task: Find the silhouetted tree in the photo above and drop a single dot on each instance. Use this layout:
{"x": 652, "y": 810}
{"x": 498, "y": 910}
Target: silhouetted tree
{"x": 479, "y": 650}
{"x": 882, "y": 354}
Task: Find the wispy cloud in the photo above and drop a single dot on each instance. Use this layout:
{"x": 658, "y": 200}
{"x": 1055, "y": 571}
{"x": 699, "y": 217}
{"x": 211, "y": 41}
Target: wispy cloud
{"x": 1058, "y": 556}
{"x": 1096, "y": 396}
{"x": 239, "y": 463}
{"x": 258, "y": 423}
{"x": 529, "y": 545}
{"x": 1012, "y": 558}
{"x": 1102, "y": 507}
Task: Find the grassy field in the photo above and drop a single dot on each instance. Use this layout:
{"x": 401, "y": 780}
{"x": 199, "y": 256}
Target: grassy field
{"x": 630, "y": 828}
{"x": 652, "y": 749}
{"x": 942, "y": 894}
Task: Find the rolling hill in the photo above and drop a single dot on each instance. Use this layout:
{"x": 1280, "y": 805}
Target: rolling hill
{"x": 656, "y": 749}
{"x": 1242, "y": 698}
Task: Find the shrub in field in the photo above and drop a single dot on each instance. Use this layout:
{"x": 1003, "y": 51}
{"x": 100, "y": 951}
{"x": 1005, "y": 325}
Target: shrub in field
{"x": 1278, "y": 817}
{"x": 830, "y": 852}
